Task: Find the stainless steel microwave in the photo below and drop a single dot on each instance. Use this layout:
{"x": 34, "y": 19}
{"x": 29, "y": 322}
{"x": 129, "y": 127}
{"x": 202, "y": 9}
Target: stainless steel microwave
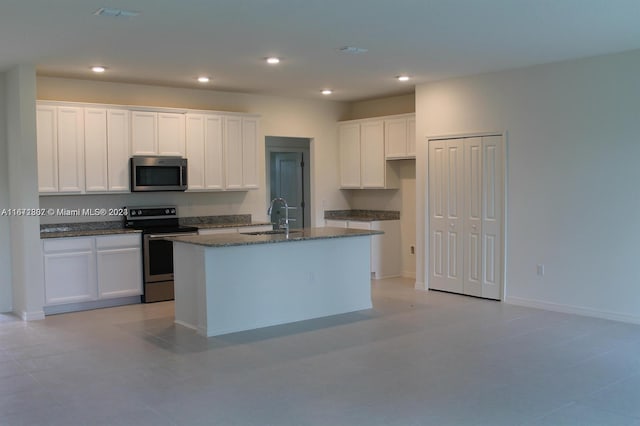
{"x": 156, "y": 173}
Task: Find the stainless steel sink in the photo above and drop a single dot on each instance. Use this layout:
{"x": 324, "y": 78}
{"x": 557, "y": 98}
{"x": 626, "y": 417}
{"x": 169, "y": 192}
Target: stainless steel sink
{"x": 272, "y": 232}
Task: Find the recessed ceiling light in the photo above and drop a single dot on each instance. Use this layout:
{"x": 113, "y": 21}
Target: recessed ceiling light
{"x": 273, "y": 60}
{"x": 403, "y": 78}
{"x": 204, "y": 79}
{"x": 327, "y": 91}
{"x": 115, "y": 13}
{"x": 98, "y": 69}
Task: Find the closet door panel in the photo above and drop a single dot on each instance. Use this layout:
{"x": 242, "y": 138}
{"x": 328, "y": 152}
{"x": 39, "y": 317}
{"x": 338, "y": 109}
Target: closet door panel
{"x": 492, "y": 208}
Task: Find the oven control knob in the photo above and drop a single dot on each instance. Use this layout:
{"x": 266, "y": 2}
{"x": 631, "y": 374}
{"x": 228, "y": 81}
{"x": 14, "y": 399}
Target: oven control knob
{"x": 166, "y": 211}
{"x": 139, "y": 212}
{"x": 173, "y": 211}
{"x": 133, "y": 212}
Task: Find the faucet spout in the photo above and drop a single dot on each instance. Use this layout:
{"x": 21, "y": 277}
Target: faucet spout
{"x": 285, "y": 225}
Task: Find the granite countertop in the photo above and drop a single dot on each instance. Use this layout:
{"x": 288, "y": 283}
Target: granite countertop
{"x": 223, "y": 221}
{"x": 86, "y": 229}
{"x": 362, "y": 215}
{"x": 226, "y": 225}
{"x": 239, "y": 239}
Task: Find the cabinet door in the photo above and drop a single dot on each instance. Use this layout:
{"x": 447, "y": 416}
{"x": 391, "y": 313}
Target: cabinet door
{"x": 249, "y": 153}
{"x": 118, "y": 143}
{"x": 69, "y": 271}
{"x": 373, "y": 162}
{"x": 213, "y": 153}
{"x": 95, "y": 149}
{"x": 349, "y": 152}
{"x": 195, "y": 151}
{"x": 411, "y": 137}
{"x": 233, "y": 152}
{"x": 70, "y": 149}
{"x": 144, "y": 133}
{"x": 171, "y": 134}
{"x": 47, "y": 142}
{"x": 395, "y": 138}
{"x": 119, "y": 265}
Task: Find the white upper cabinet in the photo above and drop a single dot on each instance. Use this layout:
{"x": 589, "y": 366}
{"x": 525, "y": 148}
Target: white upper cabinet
{"x": 171, "y": 134}
{"x": 95, "y": 148}
{"x": 106, "y": 145}
{"x": 349, "y": 151}
{"x": 60, "y": 134}
{"x": 400, "y": 137}
{"x": 249, "y": 153}
{"x": 86, "y": 148}
{"x": 372, "y": 154}
{"x": 233, "y": 151}
{"x": 154, "y": 133}
{"x": 144, "y": 133}
{"x": 47, "y": 137}
{"x": 362, "y": 156}
{"x": 241, "y": 152}
{"x": 118, "y": 149}
{"x": 205, "y": 152}
{"x": 222, "y": 152}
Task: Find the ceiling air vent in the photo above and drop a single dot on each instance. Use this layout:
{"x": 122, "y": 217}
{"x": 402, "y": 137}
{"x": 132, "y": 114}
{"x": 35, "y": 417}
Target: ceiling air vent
{"x": 115, "y": 13}
{"x": 353, "y": 49}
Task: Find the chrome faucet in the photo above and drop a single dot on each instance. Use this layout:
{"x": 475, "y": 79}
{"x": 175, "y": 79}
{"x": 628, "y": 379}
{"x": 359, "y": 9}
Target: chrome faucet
{"x": 284, "y": 225}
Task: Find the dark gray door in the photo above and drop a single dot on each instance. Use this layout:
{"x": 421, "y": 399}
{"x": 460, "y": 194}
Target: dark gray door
{"x": 287, "y": 182}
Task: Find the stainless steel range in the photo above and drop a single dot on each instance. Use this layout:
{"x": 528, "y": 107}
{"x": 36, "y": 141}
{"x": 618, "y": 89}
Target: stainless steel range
{"x": 156, "y": 223}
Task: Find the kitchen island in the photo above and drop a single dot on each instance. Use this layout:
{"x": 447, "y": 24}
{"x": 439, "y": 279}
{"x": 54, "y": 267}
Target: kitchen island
{"x": 236, "y": 282}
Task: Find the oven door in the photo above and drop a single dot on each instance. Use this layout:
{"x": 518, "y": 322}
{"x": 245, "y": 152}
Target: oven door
{"x": 158, "y": 257}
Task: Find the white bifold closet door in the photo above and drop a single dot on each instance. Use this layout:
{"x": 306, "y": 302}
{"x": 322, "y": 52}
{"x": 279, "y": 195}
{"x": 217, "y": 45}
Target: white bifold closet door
{"x": 466, "y": 194}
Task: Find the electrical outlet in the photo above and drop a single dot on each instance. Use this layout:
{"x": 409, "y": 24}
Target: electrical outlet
{"x": 540, "y": 269}
{"x": 412, "y": 250}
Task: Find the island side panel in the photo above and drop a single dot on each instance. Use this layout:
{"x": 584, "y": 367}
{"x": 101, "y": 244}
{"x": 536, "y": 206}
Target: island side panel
{"x": 261, "y": 285}
{"x": 189, "y": 288}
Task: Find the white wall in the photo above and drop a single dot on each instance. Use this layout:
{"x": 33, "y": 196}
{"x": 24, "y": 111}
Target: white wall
{"x": 6, "y": 301}
{"x": 573, "y": 203}
{"x": 26, "y": 264}
{"x": 315, "y": 119}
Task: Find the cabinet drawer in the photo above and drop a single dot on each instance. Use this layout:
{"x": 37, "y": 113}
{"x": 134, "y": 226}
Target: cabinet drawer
{"x": 67, "y": 244}
{"x": 116, "y": 241}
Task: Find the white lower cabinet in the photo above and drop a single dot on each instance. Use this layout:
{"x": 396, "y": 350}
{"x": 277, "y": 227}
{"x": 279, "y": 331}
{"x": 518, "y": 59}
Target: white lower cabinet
{"x": 69, "y": 270}
{"x": 88, "y": 269}
{"x": 385, "y": 248}
{"x": 119, "y": 266}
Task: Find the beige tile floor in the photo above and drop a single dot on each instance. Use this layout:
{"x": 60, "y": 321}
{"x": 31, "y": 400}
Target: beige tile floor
{"x": 415, "y": 359}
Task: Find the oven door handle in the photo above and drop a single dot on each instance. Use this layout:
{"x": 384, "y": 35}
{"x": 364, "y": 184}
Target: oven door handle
{"x": 161, "y": 236}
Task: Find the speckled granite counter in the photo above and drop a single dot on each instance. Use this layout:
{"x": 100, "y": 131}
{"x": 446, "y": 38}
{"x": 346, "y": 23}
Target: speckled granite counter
{"x": 222, "y": 221}
{"x": 86, "y": 229}
{"x": 362, "y": 215}
{"x": 65, "y": 230}
{"x": 227, "y": 240}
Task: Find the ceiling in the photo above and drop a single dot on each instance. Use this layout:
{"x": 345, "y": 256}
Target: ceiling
{"x": 172, "y": 42}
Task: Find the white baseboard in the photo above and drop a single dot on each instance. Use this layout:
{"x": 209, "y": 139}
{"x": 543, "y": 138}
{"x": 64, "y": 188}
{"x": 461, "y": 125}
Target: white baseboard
{"x": 85, "y": 306}
{"x": 420, "y": 286}
{"x": 571, "y": 309}
{"x": 30, "y": 316}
